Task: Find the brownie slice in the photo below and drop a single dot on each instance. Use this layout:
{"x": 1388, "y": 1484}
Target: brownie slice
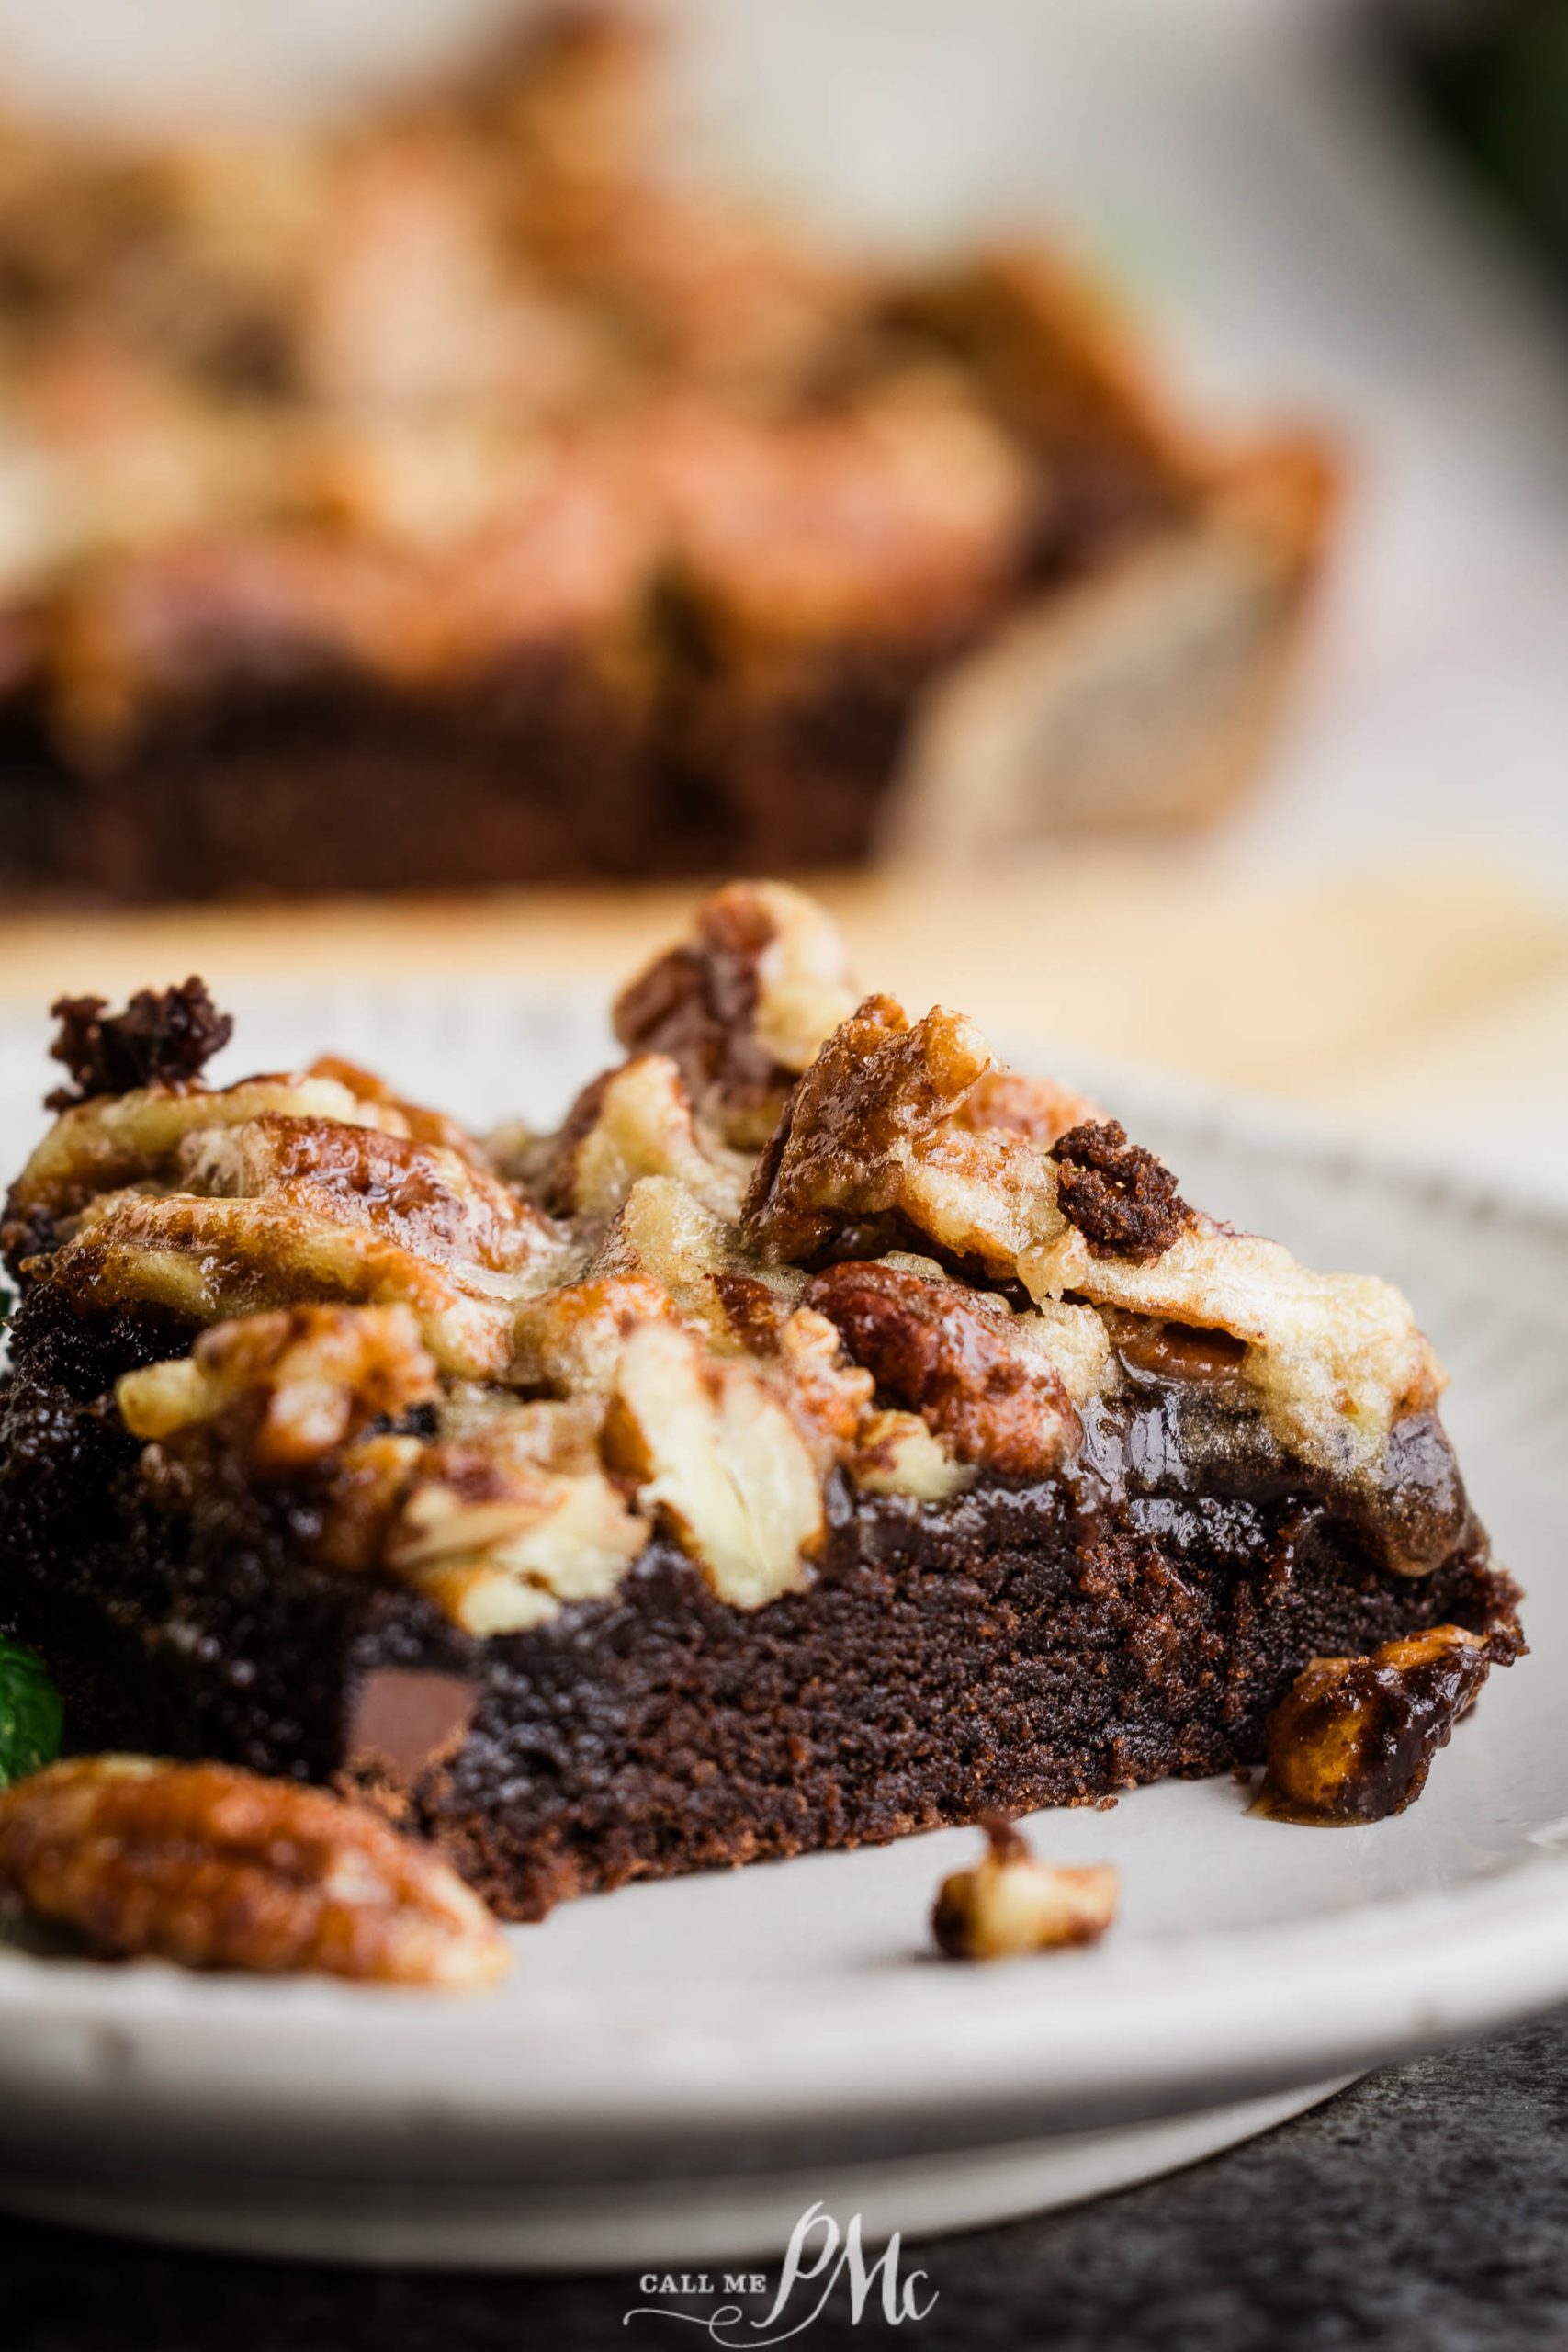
{"x": 824, "y": 1435}
{"x": 456, "y": 496}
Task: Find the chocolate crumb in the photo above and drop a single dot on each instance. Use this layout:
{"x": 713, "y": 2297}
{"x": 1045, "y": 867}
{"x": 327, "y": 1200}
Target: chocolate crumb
{"x": 165, "y": 1037}
{"x": 1121, "y": 1199}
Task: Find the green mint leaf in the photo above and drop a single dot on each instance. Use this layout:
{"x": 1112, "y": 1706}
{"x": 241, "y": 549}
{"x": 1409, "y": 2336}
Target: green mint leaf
{"x": 29, "y": 1714}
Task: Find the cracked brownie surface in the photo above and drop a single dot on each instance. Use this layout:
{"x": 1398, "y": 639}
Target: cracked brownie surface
{"x": 660, "y": 1491}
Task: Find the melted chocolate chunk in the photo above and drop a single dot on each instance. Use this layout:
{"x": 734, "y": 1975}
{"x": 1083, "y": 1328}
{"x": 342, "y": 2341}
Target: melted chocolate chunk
{"x": 1179, "y": 1350}
{"x": 406, "y": 1721}
{"x": 164, "y": 1036}
{"x": 1419, "y": 1508}
{"x": 1121, "y": 1199}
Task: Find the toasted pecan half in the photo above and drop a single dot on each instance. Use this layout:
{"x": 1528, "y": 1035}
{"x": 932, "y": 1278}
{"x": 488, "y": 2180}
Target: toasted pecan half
{"x": 214, "y": 1868}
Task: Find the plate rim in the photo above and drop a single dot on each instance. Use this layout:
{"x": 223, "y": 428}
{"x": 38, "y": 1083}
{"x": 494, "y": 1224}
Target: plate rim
{"x": 1397, "y": 1975}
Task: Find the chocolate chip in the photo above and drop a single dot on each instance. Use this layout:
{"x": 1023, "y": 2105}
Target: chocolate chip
{"x": 404, "y": 1721}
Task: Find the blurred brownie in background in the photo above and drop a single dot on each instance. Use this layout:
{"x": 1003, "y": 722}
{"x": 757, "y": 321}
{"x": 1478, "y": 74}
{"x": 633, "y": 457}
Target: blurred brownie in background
{"x": 455, "y": 496}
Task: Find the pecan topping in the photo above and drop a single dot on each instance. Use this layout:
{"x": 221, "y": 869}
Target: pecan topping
{"x": 165, "y": 1037}
{"x": 716, "y": 1454}
{"x": 1121, "y": 1199}
{"x": 896, "y": 1454}
{"x": 214, "y": 1868}
{"x": 1037, "y": 1107}
{"x": 1010, "y": 1903}
{"x": 743, "y": 1006}
{"x": 498, "y": 1542}
{"x": 927, "y": 1347}
{"x": 629, "y": 1123}
{"x": 1353, "y": 1739}
{"x": 554, "y": 1389}
{"x": 854, "y": 1125}
{"x": 568, "y": 1340}
{"x": 286, "y": 1388}
{"x": 754, "y": 1312}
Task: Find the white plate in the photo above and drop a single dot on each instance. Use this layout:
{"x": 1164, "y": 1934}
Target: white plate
{"x": 676, "y": 2065}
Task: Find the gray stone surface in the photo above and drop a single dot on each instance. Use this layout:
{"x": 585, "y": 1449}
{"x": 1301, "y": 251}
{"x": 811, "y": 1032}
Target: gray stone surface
{"x": 1427, "y": 2208}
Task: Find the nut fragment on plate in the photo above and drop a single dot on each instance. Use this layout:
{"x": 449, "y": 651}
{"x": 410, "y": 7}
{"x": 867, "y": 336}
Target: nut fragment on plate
{"x": 214, "y": 1868}
{"x": 1353, "y": 1739}
{"x": 1011, "y": 1902}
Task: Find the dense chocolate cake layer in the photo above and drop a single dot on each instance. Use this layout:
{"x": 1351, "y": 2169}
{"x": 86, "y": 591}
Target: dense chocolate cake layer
{"x": 1027, "y": 1646}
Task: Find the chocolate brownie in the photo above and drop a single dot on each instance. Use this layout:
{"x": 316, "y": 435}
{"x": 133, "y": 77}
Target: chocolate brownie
{"x": 455, "y": 495}
{"x": 823, "y": 1435}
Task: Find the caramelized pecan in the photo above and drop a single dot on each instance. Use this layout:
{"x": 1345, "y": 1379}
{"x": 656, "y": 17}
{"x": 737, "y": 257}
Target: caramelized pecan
{"x": 754, "y": 1312}
{"x": 853, "y": 1127}
{"x": 214, "y": 1868}
{"x": 744, "y": 1005}
{"x": 626, "y": 1123}
{"x": 165, "y": 1037}
{"x": 280, "y": 1391}
{"x": 1353, "y": 1739}
{"x": 1121, "y": 1199}
{"x": 556, "y": 1174}
{"x": 717, "y": 1454}
{"x": 926, "y": 1346}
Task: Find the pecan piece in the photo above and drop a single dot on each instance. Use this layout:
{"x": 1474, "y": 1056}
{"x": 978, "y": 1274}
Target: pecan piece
{"x": 744, "y": 1005}
{"x": 281, "y": 1391}
{"x": 626, "y": 1123}
{"x": 1011, "y": 1902}
{"x": 1040, "y": 1108}
{"x": 1353, "y": 1739}
{"x": 854, "y": 1127}
{"x": 214, "y": 1868}
{"x": 165, "y": 1037}
{"x": 925, "y": 1345}
{"x": 1121, "y": 1199}
{"x": 717, "y": 1456}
